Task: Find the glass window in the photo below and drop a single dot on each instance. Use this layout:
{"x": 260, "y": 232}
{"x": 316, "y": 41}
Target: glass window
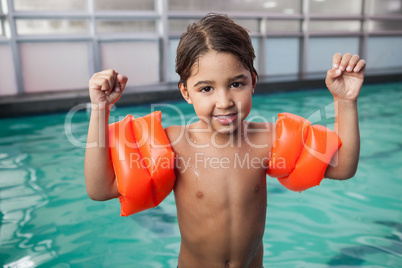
{"x": 8, "y": 84}
{"x": 340, "y": 7}
{"x": 282, "y": 26}
{"x": 268, "y": 6}
{"x": 384, "y": 52}
{"x": 334, "y": 26}
{"x": 281, "y": 56}
{"x": 125, "y": 5}
{"x": 250, "y": 25}
{"x": 256, "y": 45}
{"x": 172, "y": 75}
{"x": 205, "y": 5}
{"x": 385, "y": 25}
{"x": 39, "y": 26}
{"x": 63, "y": 66}
{"x": 2, "y": 16}
{"x": 138, "y": 60}
{"x": 322, "y": 49}
{"x": 178, "y": 25}
{"x": 111, "y": 26}
{"x": 49, "y": 5}
{"x": 386, "y": 7}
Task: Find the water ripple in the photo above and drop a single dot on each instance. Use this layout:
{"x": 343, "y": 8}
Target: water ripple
{"x": 47, "y": 218}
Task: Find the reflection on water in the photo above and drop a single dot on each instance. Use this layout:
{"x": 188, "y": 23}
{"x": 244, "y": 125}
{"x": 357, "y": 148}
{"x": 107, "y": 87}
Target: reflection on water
{"x": 47, "y": 219}
{"x": 20, "y": 197}
{"x": 371, "y": 247}
{"x": 157, "y": 220}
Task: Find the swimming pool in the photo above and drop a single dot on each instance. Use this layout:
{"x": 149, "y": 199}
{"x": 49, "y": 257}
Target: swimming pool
{"x": 47, "y": 220}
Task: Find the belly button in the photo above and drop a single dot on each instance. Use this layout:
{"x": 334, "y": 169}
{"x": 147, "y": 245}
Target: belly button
{"x": 257, "y": 189}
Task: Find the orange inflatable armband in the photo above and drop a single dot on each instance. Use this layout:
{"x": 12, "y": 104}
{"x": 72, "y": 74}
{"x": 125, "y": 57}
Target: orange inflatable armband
{"x": 143, "y": 161}
{"x": 301, "y": 152}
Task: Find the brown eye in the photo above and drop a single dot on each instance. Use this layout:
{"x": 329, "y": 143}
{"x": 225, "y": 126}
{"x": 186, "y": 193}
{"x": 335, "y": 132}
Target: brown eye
{"x": 236, "y": 84}
{"x": 206, "y": 89}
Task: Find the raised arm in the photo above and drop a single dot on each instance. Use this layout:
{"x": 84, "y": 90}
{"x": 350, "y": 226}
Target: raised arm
{"x": 105, "y": 88}
{"x": 344, "y": 81}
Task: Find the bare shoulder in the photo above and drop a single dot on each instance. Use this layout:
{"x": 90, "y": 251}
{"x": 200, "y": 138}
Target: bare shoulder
{"x": 175, "y": 133}
{"x": 261, "y": 132}
{"x": 261, "y": 127}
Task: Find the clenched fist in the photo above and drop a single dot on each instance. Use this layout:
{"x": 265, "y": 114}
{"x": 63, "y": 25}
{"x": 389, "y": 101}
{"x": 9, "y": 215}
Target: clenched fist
{"x": 106, "y": 87}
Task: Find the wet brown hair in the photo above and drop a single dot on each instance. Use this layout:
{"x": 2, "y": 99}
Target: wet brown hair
{"x": 213, "y": 32}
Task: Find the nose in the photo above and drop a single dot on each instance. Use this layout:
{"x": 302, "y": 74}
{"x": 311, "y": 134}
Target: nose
{"x": 224, "y": 99}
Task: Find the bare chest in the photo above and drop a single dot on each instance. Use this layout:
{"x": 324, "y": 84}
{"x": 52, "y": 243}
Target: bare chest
{"x": 221, "y": 171}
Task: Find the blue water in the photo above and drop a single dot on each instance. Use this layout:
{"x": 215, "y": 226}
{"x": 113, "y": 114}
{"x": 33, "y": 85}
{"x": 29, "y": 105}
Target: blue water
{"x": 47, "y": 220}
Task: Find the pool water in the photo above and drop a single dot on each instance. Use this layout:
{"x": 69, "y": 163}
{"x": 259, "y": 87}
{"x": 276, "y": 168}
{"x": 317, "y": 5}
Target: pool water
{"x": 47, "y": 219}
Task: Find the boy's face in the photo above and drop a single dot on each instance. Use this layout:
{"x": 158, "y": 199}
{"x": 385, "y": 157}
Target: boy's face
{"x": 220, "y": 89}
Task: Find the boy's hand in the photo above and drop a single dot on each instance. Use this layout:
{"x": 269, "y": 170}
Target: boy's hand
{"x": 106, "y": 87}
{"x": 346, "y": 77}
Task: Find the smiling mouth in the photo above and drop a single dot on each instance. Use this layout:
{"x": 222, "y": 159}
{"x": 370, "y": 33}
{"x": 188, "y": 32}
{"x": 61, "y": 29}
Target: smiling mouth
{"x": 226, "y": 119}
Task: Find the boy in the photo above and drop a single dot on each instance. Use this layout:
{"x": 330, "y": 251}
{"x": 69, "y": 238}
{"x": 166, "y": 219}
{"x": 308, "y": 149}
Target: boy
{"x": 221, "y": 206}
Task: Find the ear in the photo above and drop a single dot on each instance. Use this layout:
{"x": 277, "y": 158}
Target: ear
{"x": 254, "y": 80}
{"x": 184, "y": 93}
